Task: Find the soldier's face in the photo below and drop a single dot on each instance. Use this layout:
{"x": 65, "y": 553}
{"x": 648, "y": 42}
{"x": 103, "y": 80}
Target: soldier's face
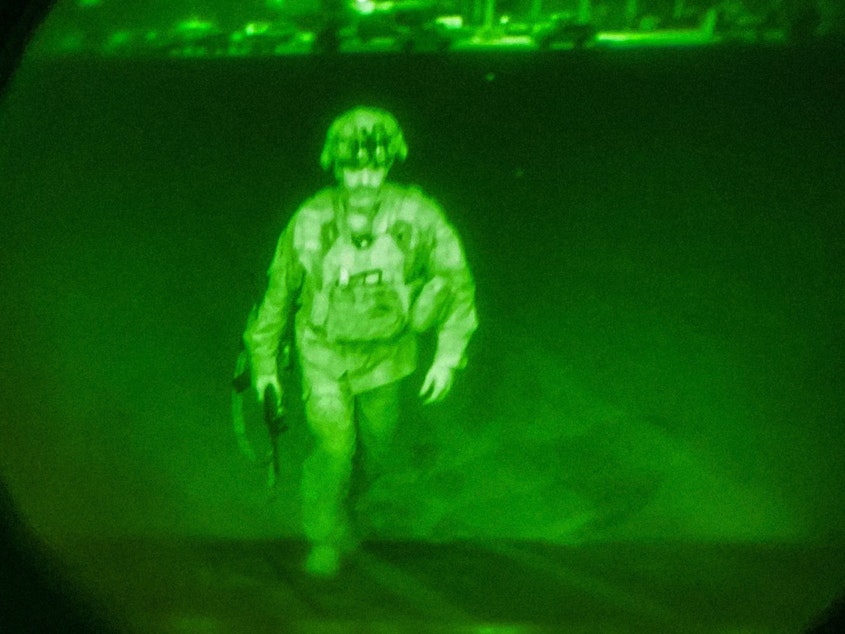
{"x": 362, "y": 184}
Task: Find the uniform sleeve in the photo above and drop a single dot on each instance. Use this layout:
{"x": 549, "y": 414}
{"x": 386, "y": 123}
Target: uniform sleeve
{"x": 446, "y": 259}
{"x": 270, "y": 322}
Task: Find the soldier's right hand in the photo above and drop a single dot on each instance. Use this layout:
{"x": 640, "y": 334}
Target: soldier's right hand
{"x": 261, "y": 383}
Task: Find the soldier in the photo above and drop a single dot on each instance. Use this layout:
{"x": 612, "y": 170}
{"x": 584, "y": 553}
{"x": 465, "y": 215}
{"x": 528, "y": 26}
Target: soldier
{"x": 361, "y": 269}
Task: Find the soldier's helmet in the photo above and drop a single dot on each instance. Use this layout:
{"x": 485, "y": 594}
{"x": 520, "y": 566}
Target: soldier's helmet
{"x": 363, "y": 137}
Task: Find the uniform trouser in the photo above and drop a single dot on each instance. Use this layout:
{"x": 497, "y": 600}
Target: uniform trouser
{"x": 337, "y": 419}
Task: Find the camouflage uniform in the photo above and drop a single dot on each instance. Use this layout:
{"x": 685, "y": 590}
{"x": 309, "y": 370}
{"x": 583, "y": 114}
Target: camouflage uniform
{"x": 357, "y": 312}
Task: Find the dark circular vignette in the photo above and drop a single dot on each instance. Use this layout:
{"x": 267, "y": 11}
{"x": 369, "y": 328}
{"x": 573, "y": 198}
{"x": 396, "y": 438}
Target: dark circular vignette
{"x": 18, "y": 21}
{"x": 36, "y": 594}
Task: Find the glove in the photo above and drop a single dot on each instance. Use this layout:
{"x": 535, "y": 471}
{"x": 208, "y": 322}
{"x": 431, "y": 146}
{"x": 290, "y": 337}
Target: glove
{"x": 437, "y": 383}
{"x": 261, "y": 383}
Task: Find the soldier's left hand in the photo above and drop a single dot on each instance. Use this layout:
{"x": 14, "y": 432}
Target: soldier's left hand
{"x": 437, "y": 383}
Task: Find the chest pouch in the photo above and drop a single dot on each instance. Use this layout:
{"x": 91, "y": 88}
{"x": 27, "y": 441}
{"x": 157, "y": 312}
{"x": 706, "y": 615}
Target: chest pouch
{"x": 364, "y": 309}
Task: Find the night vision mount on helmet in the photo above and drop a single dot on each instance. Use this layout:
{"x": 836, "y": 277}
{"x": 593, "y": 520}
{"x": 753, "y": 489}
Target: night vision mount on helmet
{"x": 363, "y": 137}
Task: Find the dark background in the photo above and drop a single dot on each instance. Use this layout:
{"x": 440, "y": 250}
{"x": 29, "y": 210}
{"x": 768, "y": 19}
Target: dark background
{"x": 657, "y": 243}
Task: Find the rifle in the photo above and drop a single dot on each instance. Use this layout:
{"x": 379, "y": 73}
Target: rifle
{"x": 274, "y": 415}
{"x": 274, "y": 418}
